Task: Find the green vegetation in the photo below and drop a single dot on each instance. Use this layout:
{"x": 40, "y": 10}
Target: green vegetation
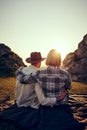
{"x": 7, "y": 87}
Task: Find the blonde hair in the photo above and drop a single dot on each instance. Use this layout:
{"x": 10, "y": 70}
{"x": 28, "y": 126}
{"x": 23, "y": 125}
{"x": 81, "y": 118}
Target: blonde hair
{"x": 53, "y": 58}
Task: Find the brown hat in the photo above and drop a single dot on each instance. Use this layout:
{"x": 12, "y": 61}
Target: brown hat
{"x": 35, "y": 57}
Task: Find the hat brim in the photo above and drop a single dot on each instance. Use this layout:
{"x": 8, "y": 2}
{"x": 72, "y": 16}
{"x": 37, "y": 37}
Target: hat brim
{"x": 28, "y": 60}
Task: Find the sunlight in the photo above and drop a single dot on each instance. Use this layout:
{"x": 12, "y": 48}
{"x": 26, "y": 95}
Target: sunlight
{"x": 61, "y": 47}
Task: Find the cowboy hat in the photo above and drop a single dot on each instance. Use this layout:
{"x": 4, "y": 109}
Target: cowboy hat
{"x": 34, "y": 57}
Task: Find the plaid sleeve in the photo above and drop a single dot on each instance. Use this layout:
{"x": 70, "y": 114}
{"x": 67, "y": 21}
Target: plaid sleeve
{"x": 25, "y": 79}
{"x": 69, "y": 81}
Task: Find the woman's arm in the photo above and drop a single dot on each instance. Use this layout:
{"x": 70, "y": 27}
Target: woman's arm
{"x": 68, "y": 82}
{"x": 25, "y": 79}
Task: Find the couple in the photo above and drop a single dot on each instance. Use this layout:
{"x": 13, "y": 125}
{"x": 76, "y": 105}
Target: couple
{"x": 41, "y": 95}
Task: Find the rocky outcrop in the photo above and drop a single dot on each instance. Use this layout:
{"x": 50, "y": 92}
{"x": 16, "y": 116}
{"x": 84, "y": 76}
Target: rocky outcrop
{"x": 76, "y": 62}
{"x": 9, "y": 61}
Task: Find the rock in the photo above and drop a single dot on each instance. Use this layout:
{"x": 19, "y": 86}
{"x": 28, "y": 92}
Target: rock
{"x": 9, "y": 61}
{"x": 4, "y": 49}
{"x": 76, "y": 62}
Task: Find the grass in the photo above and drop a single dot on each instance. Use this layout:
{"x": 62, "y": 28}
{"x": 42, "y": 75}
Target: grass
{"x": 7, "y": 86}
{"x": 78, "y": 88}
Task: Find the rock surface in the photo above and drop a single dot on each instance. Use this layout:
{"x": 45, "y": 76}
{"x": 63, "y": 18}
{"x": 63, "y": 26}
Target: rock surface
{"x": 76, "y": 62}
{"x": 9, "y": 61}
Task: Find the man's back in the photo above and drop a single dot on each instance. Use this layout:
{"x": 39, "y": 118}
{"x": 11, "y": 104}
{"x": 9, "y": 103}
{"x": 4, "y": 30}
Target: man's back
{"x": 25, "y": 93}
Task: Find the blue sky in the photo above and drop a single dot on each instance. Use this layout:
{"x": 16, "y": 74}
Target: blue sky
{"x": 40, "y": 25}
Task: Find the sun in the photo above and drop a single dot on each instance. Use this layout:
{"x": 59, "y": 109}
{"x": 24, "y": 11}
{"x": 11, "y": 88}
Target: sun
{"x": 60, "y": 47}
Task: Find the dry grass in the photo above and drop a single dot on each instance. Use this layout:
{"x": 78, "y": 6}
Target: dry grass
{"x": 7, "y": 86}
{"x": 78, "y": 88}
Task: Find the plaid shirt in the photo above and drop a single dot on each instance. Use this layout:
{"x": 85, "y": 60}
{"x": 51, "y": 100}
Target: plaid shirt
{"x": 52, "y": 79}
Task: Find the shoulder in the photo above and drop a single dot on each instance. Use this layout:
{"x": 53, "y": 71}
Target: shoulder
{"x": 40, "y": 72}
{"x": 65, "y": 72}
{"x": 28, "y": 70}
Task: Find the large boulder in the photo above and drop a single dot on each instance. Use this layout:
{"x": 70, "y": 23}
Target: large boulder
{"x": 76, "y": 62}
{"x": 9, "y": 61}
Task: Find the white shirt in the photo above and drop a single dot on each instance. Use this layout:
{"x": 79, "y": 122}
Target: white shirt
{"x": 31, "y": 94}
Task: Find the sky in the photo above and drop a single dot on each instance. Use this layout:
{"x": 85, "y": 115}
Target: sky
{"x": 41, "y": 25}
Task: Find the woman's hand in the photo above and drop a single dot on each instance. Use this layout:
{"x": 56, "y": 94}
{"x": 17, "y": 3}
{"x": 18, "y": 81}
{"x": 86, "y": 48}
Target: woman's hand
{"x": 62, "y": 95}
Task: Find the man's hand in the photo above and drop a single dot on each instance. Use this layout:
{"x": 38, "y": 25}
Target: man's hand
{"x": 62, "y": 96}
{"x": 21, "y": 67}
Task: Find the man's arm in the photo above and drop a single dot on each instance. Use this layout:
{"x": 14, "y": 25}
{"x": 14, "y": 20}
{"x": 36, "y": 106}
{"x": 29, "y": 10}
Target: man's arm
{"x": 47, "y": 101}
{"x": 42, "y": 99}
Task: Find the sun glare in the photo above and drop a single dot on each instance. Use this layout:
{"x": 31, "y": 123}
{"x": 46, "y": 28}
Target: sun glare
{"x": 60, "y": 47}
